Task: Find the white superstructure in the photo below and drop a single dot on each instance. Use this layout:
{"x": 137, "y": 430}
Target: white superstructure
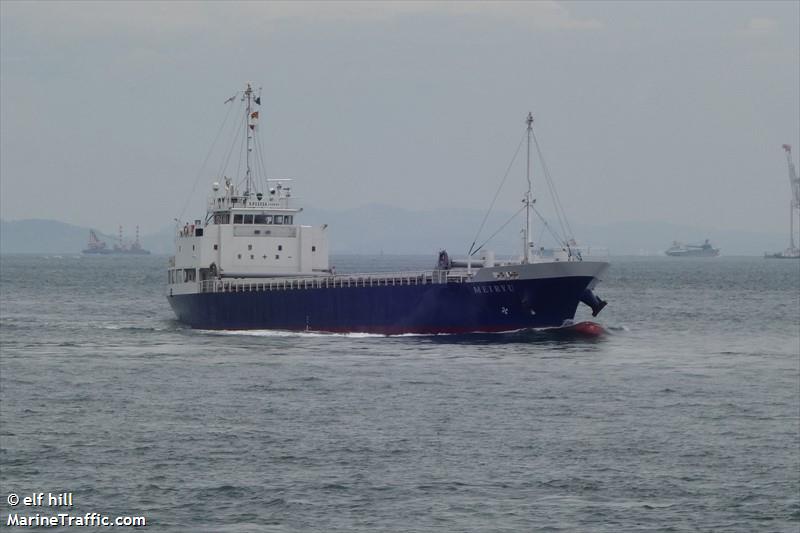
{"x": 252, "y": 235}
{"x": 248, "y": 234}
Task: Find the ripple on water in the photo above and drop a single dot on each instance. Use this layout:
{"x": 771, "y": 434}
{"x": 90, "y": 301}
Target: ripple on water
{"x": 681, "y": 418}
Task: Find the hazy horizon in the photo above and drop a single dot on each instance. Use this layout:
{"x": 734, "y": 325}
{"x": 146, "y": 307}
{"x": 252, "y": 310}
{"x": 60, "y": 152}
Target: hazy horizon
{"x": 396, "y": 231}
{"x": 654, "y": 112}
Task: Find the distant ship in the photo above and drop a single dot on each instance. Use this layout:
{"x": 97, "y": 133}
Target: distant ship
{"x": 793, "y": 251}
{"x": 99, "y": 247}
{"x": 692, "y": 250}
{"x": 250, "y": 264}
{"x": 96, "y": 246}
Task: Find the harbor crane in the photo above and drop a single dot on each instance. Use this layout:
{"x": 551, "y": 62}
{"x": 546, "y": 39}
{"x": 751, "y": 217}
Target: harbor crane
{"x": 794, "y": 206}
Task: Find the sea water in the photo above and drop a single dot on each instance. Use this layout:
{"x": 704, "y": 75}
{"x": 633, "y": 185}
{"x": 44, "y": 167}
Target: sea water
{"x": 684, "y": 417}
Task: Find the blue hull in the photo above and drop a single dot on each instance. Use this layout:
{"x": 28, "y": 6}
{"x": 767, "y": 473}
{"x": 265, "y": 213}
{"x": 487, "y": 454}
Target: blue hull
{"x": 434, "y": 308}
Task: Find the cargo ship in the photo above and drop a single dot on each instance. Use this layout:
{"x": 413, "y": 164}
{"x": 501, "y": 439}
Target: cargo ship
{"x": 250, "y": 263}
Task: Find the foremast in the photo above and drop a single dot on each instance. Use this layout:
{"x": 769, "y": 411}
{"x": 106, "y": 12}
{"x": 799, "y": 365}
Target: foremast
{"x": 530, "y": 254}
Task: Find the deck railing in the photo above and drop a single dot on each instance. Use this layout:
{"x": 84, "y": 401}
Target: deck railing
{"x": 381, "y": 279}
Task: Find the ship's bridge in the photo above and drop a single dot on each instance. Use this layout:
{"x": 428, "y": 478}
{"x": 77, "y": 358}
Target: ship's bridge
{"x": 249, "y": 235}
{"x": 226, "y": 205}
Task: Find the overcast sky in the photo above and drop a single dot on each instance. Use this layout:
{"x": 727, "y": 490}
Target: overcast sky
{"x": 646, "y": 111}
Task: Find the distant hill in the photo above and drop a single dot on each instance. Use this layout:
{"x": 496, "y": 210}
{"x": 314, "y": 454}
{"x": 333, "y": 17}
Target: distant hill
{"x": 652, "y": 238}
{"x": 42, "y": 236}
{"x": 373, "y": 229}
{"x": 54, "y": 237}
{"x": 377, "y": 228}
{"x": 161, "y": 242}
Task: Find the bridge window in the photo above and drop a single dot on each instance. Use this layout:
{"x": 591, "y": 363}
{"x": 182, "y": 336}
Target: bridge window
{"x": 260, "y": 219}
{"x": 287, "y": 219}
{"x": 237, "y": 219}
{"x": 268, "y": 219}
{"x": 248, "y": 219}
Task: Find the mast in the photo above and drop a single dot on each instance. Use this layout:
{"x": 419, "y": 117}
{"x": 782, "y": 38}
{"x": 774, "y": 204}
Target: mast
{"x": 528, "y": 193}
{"x": 791, "y": 226}
{"x": 250, "y": 127}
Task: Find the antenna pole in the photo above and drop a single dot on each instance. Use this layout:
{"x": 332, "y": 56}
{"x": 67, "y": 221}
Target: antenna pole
{"x": 528, "y": 193}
